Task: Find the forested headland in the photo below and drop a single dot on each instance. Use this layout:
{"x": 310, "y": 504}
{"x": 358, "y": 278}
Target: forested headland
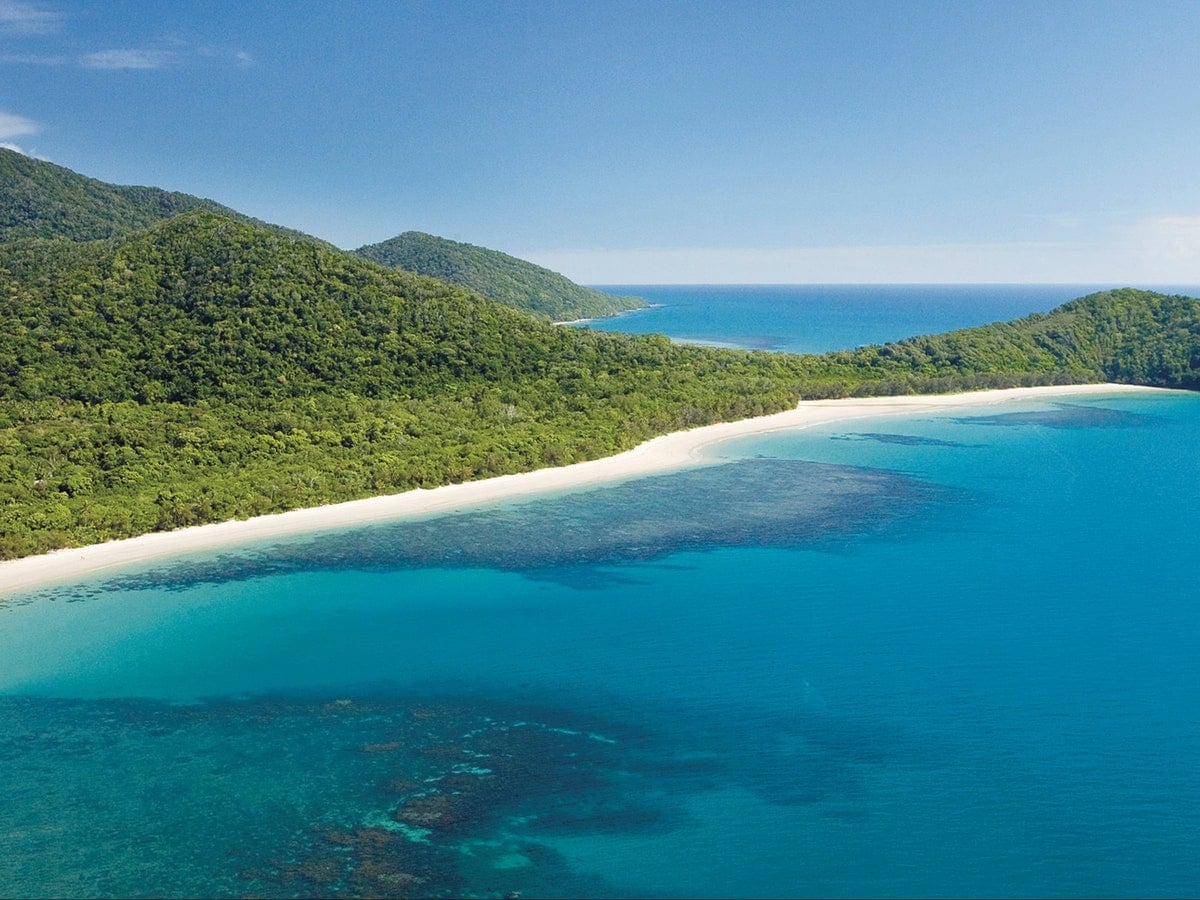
{"x": 205, "y": 367}
{"x": 497, "y": 276}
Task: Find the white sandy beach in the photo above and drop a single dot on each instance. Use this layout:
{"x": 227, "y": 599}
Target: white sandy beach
{"x": 669, "y": 452}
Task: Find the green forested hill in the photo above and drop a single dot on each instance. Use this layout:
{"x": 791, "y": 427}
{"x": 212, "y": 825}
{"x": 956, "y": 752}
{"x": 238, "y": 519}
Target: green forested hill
{"x": 42, "y": 200}
{"x": 1127, "y": 336}
{"x": 39, "y": 199}
{"x": 207, "y": 368}
{"x": 497, "y": 276}
{"x": 202, "y": 307}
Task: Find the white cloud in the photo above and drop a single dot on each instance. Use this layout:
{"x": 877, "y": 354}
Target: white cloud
{"x": 17, "y": 148}
{"x": 32, "y": 154}
{"x": 129, "y": 59}
{"x": 12, "y": 126}
{"x": 239, "y": 58}
{"x": 17, "y": 17}
{"x": 895, "y": 263}
{"x": 182, "y": 54}
{"x": 1169, "y": 240}
{"x": 1160, "y": 250}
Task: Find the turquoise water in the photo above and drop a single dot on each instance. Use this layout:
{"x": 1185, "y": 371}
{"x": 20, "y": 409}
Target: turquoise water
{"x": 817, "y": 318}
{"x": 939, "y": 655}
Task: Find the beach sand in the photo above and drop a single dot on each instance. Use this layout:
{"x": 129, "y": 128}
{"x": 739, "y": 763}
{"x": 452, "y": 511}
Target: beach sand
{"x": 661, "y": 454}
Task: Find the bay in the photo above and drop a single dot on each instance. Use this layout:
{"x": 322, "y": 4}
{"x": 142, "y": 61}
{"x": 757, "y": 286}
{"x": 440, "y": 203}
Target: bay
{"x": 952, "y": 654}
{"x": 819, "y": 318}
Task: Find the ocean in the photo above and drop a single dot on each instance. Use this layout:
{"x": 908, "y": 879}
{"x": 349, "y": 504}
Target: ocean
{"x": 818, "y": 318}
{"x": 951, "y": 654}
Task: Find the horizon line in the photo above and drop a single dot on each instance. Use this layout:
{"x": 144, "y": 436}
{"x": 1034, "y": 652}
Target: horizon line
{"x": 1103, "y": 285}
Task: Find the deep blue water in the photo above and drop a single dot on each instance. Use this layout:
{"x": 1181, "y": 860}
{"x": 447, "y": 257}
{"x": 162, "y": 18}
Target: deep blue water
{"x": 936, "y": 655}
{"x": 817, "y": 318}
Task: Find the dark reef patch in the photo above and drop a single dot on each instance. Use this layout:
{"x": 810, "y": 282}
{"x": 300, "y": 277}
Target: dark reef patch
{"x": 374, "y": 793}
{"x": 1065, "y": 416}
{"x": 904, "y": 440}
{"x": 571, "y": 538}
{"x": 285, "y": 796}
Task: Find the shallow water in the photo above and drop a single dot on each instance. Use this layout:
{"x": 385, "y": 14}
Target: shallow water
{"x": 939, "y": 655}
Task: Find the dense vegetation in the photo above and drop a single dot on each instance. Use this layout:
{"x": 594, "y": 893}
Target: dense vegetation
{"x": 208, "y": 368}
{"x": 497, "y": 276}
{"x": 1125, "y": 336}
{"x": 40, "y": 199}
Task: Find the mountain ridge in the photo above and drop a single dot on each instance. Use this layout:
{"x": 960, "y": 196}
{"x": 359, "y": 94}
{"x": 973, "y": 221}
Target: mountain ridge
{"x": 40, "y": 199}
{"x": 497, "y": 276}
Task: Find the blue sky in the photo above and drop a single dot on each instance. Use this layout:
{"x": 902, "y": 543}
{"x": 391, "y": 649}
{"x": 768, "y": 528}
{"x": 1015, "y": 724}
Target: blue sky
{"x": 651, "y": 141}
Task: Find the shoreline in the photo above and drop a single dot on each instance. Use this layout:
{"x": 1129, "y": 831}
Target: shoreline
{"x": 665, "y": 453}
